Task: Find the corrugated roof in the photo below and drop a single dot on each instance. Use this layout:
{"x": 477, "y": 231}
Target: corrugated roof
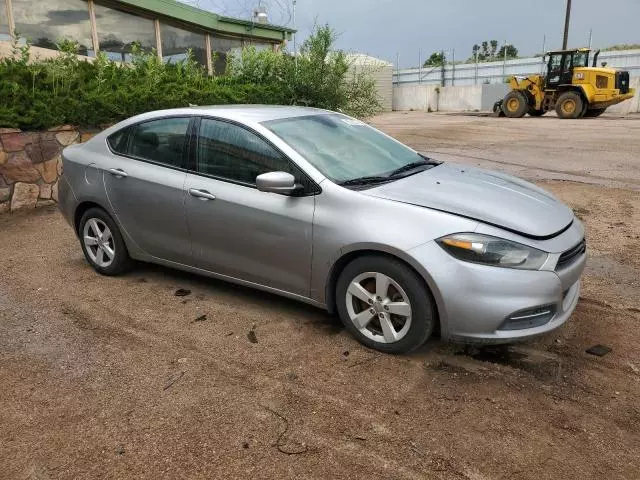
{"x": 208, "y": 20}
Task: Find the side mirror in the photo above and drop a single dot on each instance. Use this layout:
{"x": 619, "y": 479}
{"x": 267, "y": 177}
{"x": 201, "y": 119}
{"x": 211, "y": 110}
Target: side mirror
{"x": 277, "y": 182}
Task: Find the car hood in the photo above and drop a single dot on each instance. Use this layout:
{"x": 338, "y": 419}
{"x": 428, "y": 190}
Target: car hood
{"x": 490, "y": 197}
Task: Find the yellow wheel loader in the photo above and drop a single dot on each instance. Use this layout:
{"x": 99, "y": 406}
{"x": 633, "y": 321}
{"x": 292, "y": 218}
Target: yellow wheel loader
{"x": 571, "y": 87}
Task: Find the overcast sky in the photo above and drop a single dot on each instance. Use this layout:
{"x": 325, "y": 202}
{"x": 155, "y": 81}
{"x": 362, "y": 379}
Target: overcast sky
{"x": 385, "y": 28}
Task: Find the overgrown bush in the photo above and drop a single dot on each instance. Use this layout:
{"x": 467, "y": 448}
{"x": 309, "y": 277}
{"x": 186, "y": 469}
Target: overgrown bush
{"x": 67, "y": 90}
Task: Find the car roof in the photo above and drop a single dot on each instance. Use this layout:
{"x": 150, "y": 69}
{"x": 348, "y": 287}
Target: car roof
{"x": 243, "y": 113}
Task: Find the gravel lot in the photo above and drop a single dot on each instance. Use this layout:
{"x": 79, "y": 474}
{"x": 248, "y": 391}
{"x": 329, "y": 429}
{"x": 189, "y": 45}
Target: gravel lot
{"x": 114, "y": 377}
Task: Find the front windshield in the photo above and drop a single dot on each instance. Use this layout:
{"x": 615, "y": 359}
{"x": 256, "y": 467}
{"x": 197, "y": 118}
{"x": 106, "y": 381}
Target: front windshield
{"x": 343, "y": 148}
{"x": 581, "y": 59}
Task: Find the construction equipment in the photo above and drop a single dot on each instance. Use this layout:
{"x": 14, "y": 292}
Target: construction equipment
{"x": 570, "y": 86}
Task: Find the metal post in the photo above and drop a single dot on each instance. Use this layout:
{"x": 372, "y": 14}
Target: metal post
{"x": 453, "y": 66}
{"x": 544, "y": 46}
{"x": 295, "y": 46}
{"x": 419, "y": 66}
{"x": 476, "y": 75}
{"x": 504, "y": 62}
{"x": 444, "y": 61}
{"x": 567, "y": 18}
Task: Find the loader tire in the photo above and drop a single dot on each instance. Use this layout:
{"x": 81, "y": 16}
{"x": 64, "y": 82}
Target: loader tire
{"x": 515, "y": 104}
{"x": 569, "y": 105}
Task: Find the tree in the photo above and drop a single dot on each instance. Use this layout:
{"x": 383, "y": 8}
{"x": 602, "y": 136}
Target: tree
{"x": 512, "y": 52}
{"x": 435, "y": 60}
{"x": 494, "y": 47}
{"x": 488, "y": 51}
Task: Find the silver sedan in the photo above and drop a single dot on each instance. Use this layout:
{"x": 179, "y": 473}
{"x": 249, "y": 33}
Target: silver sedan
{"x": 322, "y": 208}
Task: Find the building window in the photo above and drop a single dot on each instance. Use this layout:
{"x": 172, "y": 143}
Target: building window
{"x": 176, "y": 42}
{"x": 5, "y": 34}
{"x": 221, "y": 47}
{"x": 118, "y": 31}
{"x": 257, "y": 44}
{"x": 45, "y": 24}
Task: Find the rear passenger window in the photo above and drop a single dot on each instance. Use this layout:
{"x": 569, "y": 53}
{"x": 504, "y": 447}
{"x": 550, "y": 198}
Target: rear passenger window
{"x": 162, "y": 141}
{"x": 118, "y": 141}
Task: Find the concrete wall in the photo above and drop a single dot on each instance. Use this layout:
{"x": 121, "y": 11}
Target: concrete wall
{"x": 629, "y": 106}
{"x": 382, "y": 75}
{"x": 30, "y": 165}
{"x": 468, "y": 98}
{"x": 447, "y": 99}
{"x": 492, "y": 93}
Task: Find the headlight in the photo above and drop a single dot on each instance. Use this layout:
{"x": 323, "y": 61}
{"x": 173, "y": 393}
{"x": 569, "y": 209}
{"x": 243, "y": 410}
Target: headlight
{"x": 476, "y": 248}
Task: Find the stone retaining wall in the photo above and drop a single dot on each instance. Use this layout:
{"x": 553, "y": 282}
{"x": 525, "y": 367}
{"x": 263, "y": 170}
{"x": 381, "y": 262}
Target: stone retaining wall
{"x": 30, "y": 165}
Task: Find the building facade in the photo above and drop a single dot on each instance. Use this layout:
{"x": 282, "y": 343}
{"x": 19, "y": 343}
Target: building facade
{"x": 114, "y": 26}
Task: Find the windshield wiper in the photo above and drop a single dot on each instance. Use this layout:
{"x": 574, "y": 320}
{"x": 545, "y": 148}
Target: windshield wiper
{"x": 364, "y": 181}
{"x": 412, "y": 166}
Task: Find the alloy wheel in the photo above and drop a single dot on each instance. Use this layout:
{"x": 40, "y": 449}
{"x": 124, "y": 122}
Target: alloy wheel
{"x": 99, "y": 243}
{"x": 378, "y": 307}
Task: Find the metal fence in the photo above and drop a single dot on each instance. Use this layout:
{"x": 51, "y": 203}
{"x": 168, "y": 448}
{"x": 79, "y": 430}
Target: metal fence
{"x": 498, "y": 72}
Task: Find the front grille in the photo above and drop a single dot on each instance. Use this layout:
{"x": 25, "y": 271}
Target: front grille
{"x": 622, "y": 82}
{"x": 602, "y": 81}
{"x": 571, "y": 255}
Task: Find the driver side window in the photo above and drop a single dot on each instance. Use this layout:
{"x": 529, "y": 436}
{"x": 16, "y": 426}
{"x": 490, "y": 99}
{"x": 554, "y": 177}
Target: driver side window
{"x": 231, "y": 152}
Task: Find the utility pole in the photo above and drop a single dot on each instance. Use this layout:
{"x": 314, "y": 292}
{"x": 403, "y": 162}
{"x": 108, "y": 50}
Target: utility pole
{"x": 504, "y": 61}
{"x": 476, "y": 75}
{"x": 295, "y": 47}
{"x": 453, "y": 66}
{"x": 566, "y": 26}
{"x": 544, "y": 46}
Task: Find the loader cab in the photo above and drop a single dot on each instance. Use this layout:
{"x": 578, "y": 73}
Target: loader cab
{"x": 561, "y": 64}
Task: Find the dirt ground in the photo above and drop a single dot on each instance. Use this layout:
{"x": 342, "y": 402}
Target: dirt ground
{"x": 115, "y": 378}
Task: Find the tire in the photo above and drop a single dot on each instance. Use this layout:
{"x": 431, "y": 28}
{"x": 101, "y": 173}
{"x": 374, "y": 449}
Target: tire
{"x": 395, "y": 319}
{"x": 596, "y": 112}
{"x": 536, "y": 113}
{"x": 515, "y": 104}
{"x": 106, "y": 252}
{"x": 569, "y": 105}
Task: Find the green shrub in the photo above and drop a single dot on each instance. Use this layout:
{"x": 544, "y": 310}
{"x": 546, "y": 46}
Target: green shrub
{"x": 68, "y": 90}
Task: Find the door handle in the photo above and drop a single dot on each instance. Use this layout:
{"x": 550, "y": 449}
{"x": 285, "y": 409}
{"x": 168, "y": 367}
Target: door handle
{"x": 201, "y": 194}
{"x": 118, "y": 173}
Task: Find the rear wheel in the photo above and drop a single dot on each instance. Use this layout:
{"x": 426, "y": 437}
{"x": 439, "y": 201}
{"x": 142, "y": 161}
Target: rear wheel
{"x": 102, "y": 243}
{"x": 596, "y": 112}
{"x": 384, "y": 304}
{"x": 569, "y": 105}
{"x": 515, "y": 104}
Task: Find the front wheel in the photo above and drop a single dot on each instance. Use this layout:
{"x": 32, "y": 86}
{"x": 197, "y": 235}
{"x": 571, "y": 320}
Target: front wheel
{"x": 515, "y": 104}
{"x": 570, "y": 105}
{"x": 102, "y": 243}
{"x": 385, "y": 305}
